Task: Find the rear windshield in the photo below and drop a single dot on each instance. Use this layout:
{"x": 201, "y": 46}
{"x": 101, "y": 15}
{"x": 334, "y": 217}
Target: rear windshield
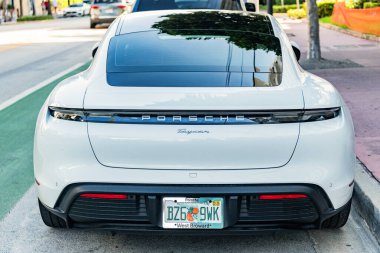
{"x": 148, "y": 5}
{"x": 181, "y": 59}
{"x": 106, "y": 1}
{"x": 76, "y": 5}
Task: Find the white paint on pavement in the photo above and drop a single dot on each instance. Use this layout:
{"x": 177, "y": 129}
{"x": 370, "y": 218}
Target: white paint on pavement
{"x": 49, "y": 35}
{"x": 38, "y": 86}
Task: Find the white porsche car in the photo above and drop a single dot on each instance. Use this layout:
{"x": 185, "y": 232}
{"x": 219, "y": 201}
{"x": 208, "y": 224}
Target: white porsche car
{"x": 194, "y": 121}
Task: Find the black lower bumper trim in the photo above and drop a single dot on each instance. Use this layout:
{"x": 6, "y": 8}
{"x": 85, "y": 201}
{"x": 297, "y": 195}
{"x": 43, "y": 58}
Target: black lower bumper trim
{"x": 244, "y": 212}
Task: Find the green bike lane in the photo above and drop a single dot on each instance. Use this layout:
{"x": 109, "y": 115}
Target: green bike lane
{"x": 17, "y": 125}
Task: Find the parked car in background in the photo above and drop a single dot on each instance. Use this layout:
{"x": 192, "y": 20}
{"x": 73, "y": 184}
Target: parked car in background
{"x": 106, "y": 11}
{"x": 80, "y": 9}
{"x": 233, "y": 5}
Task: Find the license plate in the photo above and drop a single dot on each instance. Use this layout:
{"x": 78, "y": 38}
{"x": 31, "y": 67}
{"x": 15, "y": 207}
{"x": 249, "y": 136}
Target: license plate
{"x": 192, "y": 213}
{"x": 108, "y": 11}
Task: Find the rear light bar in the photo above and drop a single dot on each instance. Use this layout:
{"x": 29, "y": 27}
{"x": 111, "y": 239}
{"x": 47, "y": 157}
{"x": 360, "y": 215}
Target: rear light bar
{"x": 94, "y": 7}
{"x": 103, "y": 196}
{"x": 195, "y": 117}
{"x": 282, "y": 196}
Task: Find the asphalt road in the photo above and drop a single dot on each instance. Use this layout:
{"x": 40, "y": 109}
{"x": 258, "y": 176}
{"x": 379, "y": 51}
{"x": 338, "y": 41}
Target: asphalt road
{"x": 31, "y": 53}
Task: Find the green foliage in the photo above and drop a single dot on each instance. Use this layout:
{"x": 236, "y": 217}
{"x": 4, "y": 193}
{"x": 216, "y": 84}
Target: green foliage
{"x": 296, "y": 14}
{"x": 304, "y": 7}
{"x": 33, "y": 18}
{"x": 325, "y": 8}
{"x": 370, "y": 5}
{"x": 283, "y": 9}
{"x": 193, "y": 25}
{"x": 354, "y": 4}
{"x": 327, "y": 20}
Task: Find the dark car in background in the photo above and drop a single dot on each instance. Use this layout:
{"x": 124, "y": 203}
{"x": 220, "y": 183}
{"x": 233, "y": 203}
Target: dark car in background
{"x": 150, "y": 5}
{"x": 106, "y": 11}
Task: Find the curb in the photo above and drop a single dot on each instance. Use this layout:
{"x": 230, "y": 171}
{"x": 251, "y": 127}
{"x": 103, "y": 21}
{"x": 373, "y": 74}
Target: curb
{"x": 351, "y": 32}
{"x": 367, "y": 198}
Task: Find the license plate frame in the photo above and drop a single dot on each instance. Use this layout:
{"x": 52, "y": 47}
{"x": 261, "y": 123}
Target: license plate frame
{"x": 193, "y": 213}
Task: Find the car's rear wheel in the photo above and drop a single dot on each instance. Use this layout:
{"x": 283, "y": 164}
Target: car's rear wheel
{"x": 50, "y": 219}
{"x": 339, "y": 219}
{"x": 92, "y": 25}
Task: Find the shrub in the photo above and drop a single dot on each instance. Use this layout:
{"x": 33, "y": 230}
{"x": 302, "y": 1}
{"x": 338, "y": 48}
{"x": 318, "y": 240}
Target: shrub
{"x": 354, "y": 4}
{"x": 325, "y": 8}
{"x": 370, "y": 5}
{"x": 284, "y": 9}
{"x": 33, "y": 18}
{"x": 296, "y": 14}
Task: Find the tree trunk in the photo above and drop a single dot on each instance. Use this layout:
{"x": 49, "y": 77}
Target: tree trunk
{"x": 270, "y": 7}
{"x": 21, "y": 9}
{"x": 4, "y": 11}
{"x": 314, "y": 50}
{"x": 49, "y": 8}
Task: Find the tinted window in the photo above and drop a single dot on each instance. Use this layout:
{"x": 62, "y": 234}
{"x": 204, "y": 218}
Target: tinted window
{"x": 76, "y": 5}
{"x": 194, "y": 58}
{"x": 148, "y": 5}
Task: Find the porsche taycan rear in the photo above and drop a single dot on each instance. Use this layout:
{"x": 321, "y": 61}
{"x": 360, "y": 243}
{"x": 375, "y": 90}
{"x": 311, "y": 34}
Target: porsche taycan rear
{"x": 194, "y": 122}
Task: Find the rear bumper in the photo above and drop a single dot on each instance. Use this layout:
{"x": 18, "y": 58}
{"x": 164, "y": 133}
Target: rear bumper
{"x": 242, "y": 215}
{"x": 103, "y": 19}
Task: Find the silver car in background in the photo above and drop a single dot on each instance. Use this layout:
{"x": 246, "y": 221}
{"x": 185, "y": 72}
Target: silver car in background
{"x": 106, "y": 11}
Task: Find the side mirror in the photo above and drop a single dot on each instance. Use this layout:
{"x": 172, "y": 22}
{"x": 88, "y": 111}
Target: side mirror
{"x": 296, "y": 50}
{"x": 251, "y": 7}
{"x": 95, "y": 48}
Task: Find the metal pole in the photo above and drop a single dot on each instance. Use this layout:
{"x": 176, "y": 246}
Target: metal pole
{"x": 270, "y": 7}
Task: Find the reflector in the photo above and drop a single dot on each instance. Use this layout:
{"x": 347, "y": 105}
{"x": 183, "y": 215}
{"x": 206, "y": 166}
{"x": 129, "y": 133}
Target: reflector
{"x": 104, "y": 196}
{"x": 282, "y": 196}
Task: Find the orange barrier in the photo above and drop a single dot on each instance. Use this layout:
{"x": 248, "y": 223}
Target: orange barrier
{"x": 361, "y": 20}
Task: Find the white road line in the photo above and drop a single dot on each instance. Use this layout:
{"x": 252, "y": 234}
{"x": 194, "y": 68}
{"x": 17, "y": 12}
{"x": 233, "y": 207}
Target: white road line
{"x": 38, "y": 86}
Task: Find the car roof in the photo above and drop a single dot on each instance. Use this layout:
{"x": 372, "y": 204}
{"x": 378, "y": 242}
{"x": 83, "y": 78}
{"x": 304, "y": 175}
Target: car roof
{"x": 195, "y": 20}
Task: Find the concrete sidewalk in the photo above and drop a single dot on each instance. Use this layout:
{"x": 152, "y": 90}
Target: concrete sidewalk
{"x": 360, "y": 88}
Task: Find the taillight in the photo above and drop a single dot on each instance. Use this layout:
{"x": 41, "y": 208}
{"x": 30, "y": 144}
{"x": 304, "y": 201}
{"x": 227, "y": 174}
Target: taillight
{"x": 121, "y": 6}
{"x": 104, "y": 196}
{"x": 94, "y": 7}
{"x": 68, "y": 114}
{"x": 281, "y": 196}
{"x": 195, "y": 117}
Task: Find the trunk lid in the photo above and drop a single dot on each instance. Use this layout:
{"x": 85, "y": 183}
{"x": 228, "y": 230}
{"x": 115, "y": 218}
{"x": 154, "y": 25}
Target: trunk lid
{"x": 192, "y": 146}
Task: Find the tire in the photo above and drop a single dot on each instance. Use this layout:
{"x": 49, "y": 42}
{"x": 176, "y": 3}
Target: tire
{"x": 92, "y": 25}
{"x": 50, "y": 219}
{"x": 339, "y": 219}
